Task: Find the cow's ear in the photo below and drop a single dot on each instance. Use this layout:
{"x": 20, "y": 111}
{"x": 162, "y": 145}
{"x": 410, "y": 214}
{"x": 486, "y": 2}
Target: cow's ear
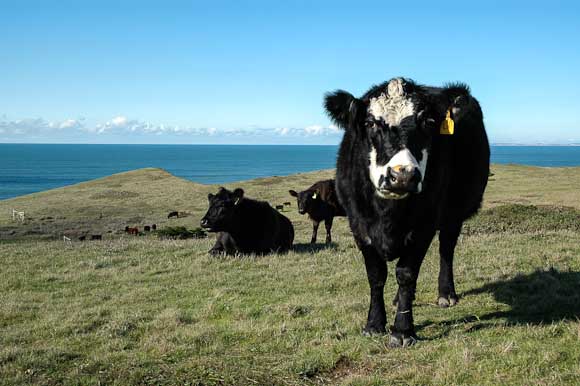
{"x": 210, "y": 197}
{"x": 238, "y": 195}
{"x": 293, "y": 193}
{"x": 458, "y": 100}
{"x": 343, "y": 108}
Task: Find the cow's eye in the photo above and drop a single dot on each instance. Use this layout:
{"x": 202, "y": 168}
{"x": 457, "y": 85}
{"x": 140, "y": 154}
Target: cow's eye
{"x": 425, "y": 122}
{"x": 371, "y": 124}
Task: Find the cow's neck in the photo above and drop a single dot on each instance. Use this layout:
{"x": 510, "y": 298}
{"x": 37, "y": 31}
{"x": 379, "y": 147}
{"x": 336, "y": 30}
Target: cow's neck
{"x": 242, "y": 225}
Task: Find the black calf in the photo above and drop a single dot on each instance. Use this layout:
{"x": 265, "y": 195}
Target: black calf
{"x": 321, "y": 204}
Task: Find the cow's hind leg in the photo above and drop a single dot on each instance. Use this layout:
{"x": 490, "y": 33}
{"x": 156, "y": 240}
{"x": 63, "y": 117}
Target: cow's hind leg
{"x": 377, "y": 275}
{"x": 328, "y": 226}
{"x": 447, "y": 241}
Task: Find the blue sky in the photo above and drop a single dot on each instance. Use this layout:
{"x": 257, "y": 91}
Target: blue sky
{"x": 255, "y": 72}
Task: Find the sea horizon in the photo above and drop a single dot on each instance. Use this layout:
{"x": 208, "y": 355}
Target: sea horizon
{"x": 36, "y": 167}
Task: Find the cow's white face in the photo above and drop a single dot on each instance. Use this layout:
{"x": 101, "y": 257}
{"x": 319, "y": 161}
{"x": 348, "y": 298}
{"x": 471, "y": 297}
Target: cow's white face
{"x": 401, "y": 162}
{"x": 398, "y": 149}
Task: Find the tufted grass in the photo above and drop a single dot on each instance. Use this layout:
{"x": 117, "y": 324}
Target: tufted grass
{"x": 144, "y": 311}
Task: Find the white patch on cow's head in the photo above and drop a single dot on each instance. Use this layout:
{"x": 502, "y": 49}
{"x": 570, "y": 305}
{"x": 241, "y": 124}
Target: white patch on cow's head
{"x": 403, "y": 159}
{"x": 393, "y": 106}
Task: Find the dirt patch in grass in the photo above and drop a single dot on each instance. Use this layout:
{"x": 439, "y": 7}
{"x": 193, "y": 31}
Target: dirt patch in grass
{"x": 114, "y": 195}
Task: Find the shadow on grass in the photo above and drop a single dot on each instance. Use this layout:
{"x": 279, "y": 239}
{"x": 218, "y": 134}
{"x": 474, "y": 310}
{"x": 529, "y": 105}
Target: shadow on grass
{"x": 540, "y": 297}
{"x": 312, "y": 248}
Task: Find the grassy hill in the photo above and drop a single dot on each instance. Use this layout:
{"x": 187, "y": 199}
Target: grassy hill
{"x": 139, "y": 310}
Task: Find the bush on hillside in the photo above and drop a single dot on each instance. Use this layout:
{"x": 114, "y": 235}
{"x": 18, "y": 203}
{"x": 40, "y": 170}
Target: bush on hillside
{"x": 181, "y": 233}
{"x": 517, "y": 218}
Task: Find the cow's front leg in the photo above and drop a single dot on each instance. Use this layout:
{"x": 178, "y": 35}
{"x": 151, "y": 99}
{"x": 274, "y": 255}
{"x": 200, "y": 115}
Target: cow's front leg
{"x": 315, "y": 225}
{"x": 377, "y": 275}
{"x": 328, "y": 226}
{"x": 225, "y": 243}
{"x": 218, "y": 247}
{"x": 407, "y": 272}
{"x": 403, "y": 331}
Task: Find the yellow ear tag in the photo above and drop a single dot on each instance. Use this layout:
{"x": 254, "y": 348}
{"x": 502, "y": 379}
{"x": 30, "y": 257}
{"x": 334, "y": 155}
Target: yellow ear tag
{"x": 447, "y": 126}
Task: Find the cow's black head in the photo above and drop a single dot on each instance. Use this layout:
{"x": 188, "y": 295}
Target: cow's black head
{"x": 395, "y": 123}
{"x": 222, "y": 210}
{"x": 307, "y": 200}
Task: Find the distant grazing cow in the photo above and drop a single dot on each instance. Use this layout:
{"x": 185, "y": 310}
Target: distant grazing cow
{"x": 287, "y": 203}
{"x": 321, "y": 204}
{"x": 280, "y": 207}
{"x": 173, "y": 214}
{"x": 147, "y": 228}
{"x": 132, "y": 231}
{"x": 246, "y": 225}
{"x": 414, "y": 159}
{"x": 82, "y": 238}
{"x": 96, "y": 237}
{"x": 154, "y": 227}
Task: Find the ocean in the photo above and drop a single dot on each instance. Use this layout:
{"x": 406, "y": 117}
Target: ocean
{"x": 28, "y": 168}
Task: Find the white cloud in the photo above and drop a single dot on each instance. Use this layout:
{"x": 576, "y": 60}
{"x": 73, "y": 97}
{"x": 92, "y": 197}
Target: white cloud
{"x": 119, "y": 121}
{"x": 70, "y": 124}
{"x": 122, "y": 125}
{"x": 36, "y": 126}
{"x": 321, "y": 130}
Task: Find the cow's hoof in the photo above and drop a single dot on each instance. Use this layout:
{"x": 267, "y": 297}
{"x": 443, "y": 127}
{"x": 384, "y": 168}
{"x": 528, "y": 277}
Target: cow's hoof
{"x": 397, "y": 340}
{"x": 373, "y": 331}
{"x": 215, "y": 252}
{"x": 443, "y": 302}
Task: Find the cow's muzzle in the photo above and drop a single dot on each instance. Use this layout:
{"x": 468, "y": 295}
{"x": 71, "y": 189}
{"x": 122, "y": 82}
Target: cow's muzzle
{"x": 205, "y": 223}
{"x": 400, "y": 180}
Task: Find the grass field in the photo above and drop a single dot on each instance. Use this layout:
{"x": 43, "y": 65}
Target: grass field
{"x": 143, "y": 311}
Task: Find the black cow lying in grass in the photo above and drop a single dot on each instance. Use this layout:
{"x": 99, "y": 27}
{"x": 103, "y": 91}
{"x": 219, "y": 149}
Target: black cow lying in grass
{"x": 246, "y": 225}
{"x": 413, "y": 160}
{"x": 321, "y": 204}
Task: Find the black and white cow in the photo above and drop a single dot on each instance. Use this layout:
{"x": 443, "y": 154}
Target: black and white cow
{"x": 413, "y": 160}
{"x": 245, "y": 225}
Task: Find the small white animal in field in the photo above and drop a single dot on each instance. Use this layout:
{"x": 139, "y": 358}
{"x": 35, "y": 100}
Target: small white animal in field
{"x": 17, "y": 215}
